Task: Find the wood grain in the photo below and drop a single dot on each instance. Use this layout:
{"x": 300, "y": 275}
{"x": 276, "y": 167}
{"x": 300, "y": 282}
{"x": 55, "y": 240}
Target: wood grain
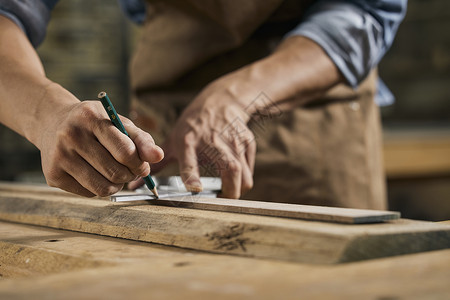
{"x": 285, "y": 210}
{"x": 220, "y": 232}
{"x": 295, "y": 211}
{"x": 111, "y": 268}
{"x": 27, "y": 250}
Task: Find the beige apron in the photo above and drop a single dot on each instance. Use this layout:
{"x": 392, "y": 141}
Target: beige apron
{"x": 328, "y": 153}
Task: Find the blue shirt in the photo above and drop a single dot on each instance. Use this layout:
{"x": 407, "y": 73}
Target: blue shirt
{"x": 354, "y": 34}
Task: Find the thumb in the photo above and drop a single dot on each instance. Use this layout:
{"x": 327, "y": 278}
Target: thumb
{"x": 145, "y": 144}
{"x": 155, "y": 168}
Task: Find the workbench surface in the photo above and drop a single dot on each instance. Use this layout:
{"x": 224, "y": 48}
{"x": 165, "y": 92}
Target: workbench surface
{"x": 109, "y": 252}
{"x": 43, "y": 263}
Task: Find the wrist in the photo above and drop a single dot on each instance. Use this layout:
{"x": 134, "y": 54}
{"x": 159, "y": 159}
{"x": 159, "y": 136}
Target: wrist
{"x": 246, "y": 89}
{"x": 50, "y": 106}
{"x": 298, "y": 69}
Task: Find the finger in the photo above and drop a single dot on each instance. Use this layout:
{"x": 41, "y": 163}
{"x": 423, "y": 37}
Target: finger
{"x": 250, "y": 155}
{"x": 189, "y": 171}
{"x": 242, "y": 158}
{"x": 230, "y": 169}
{"x": 89, "y": 178}
{"x": 147, "y": 149}
{"x": 69, "y": 184}
{"x": 120, "y": 147}
{"x": 241, "y": 147}
{"x": 247, "y": 158}
{"x": 231, "y": 177}
{"x": 169, "y": 157}
{"x": 247, "y": 175}
{"x": 98, "y": 157}
{"x": 155, "y": 168}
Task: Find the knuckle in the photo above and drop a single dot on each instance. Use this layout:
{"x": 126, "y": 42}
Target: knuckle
{"x": 107, "y": 190}
{"x": 117, "y": 175}
{"x": 87, "y": 111}
{"x": 141, "y": 169}
{"x": 86, "y": 117}
{"x": 188, "y": 140}
{"x": 115, "y": 188}
{"x": 251, "y": 146}
{"x": 61, "y": 159}
{"x": 247, "y": 185}
{"x": 61, "y": 153}
{"x": 126, "y": 122}
{"x": 69, "y": 135}
{"x": 102, "y": 192}
{"x": 249, "y": 135}
{"x": 53, "y": 177}
{"x": 51, "y": 181}
{"x": 126, "y": 152}
{"x": 234, "y": 167}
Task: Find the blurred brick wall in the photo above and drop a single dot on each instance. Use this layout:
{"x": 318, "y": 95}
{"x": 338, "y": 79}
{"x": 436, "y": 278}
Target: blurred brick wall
{"x": 87, "y": 48}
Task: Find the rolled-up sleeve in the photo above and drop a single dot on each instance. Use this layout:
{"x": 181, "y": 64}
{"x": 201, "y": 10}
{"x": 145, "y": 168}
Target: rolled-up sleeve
{"x": 32, "y": 16}
{"x": 354, "y": 34}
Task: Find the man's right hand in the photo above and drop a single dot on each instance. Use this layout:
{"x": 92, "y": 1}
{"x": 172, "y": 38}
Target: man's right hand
{"x": 81, "y": 150}
{"x": 84, "y": 153}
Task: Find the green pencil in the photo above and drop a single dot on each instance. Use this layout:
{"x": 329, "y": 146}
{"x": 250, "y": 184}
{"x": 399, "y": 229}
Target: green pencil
{"x": 111, "y": 111}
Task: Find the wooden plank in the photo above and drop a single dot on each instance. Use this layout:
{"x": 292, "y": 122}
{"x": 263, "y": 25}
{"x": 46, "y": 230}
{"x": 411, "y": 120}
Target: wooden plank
{"x": 295, "y": 211}
{"x": 134, "y": 270}
{"x": 220, "y": 232}
{"x": 285, "y": 210}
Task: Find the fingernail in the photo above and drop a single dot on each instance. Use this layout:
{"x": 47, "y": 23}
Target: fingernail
{"x": 195, "y": 188}
{"x": 162, "y": 152}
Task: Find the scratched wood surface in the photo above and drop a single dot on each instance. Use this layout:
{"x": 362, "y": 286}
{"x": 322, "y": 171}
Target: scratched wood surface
{"x": 220, "y": 232}
{"x": 44, "y": 263}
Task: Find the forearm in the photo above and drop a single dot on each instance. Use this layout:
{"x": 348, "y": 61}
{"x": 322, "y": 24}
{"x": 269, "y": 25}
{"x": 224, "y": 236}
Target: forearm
{"x": 298, "y": 72}
{"x": 27, "y": 98}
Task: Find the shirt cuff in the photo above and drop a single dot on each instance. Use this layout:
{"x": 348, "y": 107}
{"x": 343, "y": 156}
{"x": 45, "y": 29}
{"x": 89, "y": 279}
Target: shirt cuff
{"x": 31, "y": 16}
{"x": 351, "y": 37}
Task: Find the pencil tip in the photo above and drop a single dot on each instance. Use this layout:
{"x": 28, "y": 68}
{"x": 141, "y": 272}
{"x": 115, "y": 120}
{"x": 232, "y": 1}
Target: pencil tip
{"x": 155, "y": 192}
